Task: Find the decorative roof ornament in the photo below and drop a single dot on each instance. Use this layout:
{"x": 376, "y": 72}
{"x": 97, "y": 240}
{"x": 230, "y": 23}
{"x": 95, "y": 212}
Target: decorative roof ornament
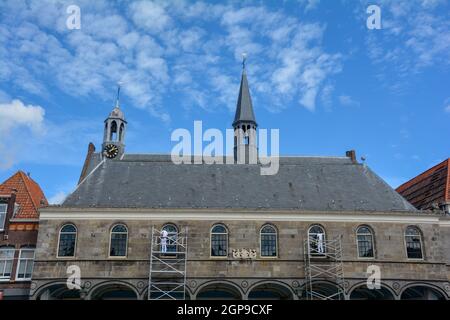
{"x": 116, "y": 112}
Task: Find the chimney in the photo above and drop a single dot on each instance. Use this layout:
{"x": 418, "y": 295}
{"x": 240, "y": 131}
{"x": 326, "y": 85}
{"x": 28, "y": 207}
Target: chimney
{"x": 352, "y": 155}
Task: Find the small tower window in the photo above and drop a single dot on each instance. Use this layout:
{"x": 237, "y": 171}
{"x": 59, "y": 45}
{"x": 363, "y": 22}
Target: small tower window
{"x": 121, "y": 132}
{"x": 113, "y": 134}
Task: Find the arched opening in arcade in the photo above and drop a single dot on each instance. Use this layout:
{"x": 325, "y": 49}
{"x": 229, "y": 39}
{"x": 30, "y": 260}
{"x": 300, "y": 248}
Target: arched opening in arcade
{"x": 219, "y": 291}
{"x": 362, "y": 292}
{"x": 421, "y": 293}
{"x": 114, "y": 291}
{"x": 270, "y": 291}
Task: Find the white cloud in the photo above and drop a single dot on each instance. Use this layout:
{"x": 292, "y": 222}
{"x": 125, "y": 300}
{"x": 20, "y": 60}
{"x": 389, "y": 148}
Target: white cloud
{"x": 348, "y": 101}
{"x": 57, "y": 198}
{"x": 16, "y": 114}
{"x": 150, "y": 15}
{"x": 309, "y": 4}
{"x": 447, "y": 105}
{"x": 149, "y": 49}
{"x": 415, "y": 35}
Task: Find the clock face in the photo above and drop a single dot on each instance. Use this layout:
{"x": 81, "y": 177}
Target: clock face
{"x": 111, "y": 151}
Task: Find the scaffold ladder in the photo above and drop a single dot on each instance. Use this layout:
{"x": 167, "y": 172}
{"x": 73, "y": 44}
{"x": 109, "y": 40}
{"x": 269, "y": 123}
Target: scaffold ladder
{"x": 167, "y": 274}
{"x": 323, "y": 262}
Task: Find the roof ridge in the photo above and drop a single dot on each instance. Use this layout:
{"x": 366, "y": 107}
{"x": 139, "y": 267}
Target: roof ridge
{"x": 447, "y": 187}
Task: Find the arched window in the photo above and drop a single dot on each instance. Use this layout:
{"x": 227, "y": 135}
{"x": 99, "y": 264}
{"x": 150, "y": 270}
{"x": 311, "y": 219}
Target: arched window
{"x": 113, "y": 132}
{"x": 364, "y": 241}
{"x": 118, "y": 241}
{"x": 172, "y": 239}
{"x": 316, "y": 240}
{"x": 122, "y": 126}
{"x": 219, "y": 241}
{"x": 413, "y": 241}
{"x": 268, "y": 241}
{"x": 67, "y": 241}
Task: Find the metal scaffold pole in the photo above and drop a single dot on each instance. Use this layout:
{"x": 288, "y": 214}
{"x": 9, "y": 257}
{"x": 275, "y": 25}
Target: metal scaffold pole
{"x": 167, "y": 270}
{"x": 323, "y": 262}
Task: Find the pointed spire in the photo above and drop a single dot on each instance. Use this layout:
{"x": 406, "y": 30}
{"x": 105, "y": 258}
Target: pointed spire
{"x": 244, "y": 107}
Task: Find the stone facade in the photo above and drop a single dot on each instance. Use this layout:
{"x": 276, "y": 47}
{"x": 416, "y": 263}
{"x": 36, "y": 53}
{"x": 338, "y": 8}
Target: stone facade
{"x": 241, "y": 275}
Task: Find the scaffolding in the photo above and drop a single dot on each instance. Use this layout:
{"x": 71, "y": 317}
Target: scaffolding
{"x": 167, "y": 275}
{"x": 323, "y": 263}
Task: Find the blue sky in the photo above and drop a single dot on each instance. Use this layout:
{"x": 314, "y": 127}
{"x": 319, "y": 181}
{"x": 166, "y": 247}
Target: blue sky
{"x": 315, "y": 71}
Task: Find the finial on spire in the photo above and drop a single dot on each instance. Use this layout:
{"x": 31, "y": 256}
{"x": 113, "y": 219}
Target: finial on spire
{"x": 244, "y": 58}
{"x": 118, "y": 94}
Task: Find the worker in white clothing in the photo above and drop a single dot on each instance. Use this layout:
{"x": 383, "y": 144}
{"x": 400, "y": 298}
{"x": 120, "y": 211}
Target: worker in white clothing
{"x": 320, "y": 238}
{"x": 164, "y": 235}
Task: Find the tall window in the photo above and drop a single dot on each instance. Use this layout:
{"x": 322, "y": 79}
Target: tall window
{"x": 268, "y": 238}
{"x": 25, "y": 266}
{"x": 364, "y": 239}
{"x": 172, "y": 239}
{"x": 119, "y": 241}
{"x": 219, "y": 241}
{"x": 413, "y": 240}
{"x": 316, "y": 240}
{"x": 67, "y": 241}
{"x": 3, "y": 208}
{"x": 6, "y": 262}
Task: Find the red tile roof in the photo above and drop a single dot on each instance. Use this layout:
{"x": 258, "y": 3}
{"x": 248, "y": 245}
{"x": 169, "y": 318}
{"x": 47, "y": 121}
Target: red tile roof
{"x": 428, "y": 188}
{"x": 29, "y": 195}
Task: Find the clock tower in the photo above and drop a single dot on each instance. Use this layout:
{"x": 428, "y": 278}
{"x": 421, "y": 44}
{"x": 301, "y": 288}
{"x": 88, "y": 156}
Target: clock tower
{"x": 113, "y": 139}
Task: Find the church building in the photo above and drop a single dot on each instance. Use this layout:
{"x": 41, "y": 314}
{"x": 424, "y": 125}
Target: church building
{"x": 139, "y": 226}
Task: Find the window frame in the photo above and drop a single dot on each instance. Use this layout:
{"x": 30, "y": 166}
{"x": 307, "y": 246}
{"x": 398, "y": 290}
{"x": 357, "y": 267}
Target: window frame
{"x": 317, "y": 254}
{"x": 19, "y": 260}
{"x": 372, "y": 240}
{"x": 422, "y": 252}
{"x": 226, "y": 237}
{"x": 3, "y": 216}
{"x": 169, "y": 254}
{"x": 2, "y": 277}
{"x": 59, "y": 241}
{"x": 276, "y": 241}
{"x": 126, "y": 241}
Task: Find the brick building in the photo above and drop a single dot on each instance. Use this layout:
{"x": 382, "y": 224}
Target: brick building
{"x": 139, "y": 226}
{"x": 430, "y": 190}
{"x": 20, "y": 199}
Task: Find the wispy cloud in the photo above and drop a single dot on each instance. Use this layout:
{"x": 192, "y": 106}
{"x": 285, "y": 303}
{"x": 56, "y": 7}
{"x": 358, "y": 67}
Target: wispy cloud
{"x": 57, "y": 198}
{"x": 447, "y": 105}
{"x": 348, "y": 101}
{"x": 146, "y": 45}
{"x": 415, "y": 35}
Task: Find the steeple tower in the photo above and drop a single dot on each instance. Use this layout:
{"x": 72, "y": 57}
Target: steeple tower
{"x": 244, "y": 124}
{"x": 114, "y": 135}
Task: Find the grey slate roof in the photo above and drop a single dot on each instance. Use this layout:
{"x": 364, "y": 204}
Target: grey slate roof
{"x": 244, "y": 107}
{"x": 302, "y": 183}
